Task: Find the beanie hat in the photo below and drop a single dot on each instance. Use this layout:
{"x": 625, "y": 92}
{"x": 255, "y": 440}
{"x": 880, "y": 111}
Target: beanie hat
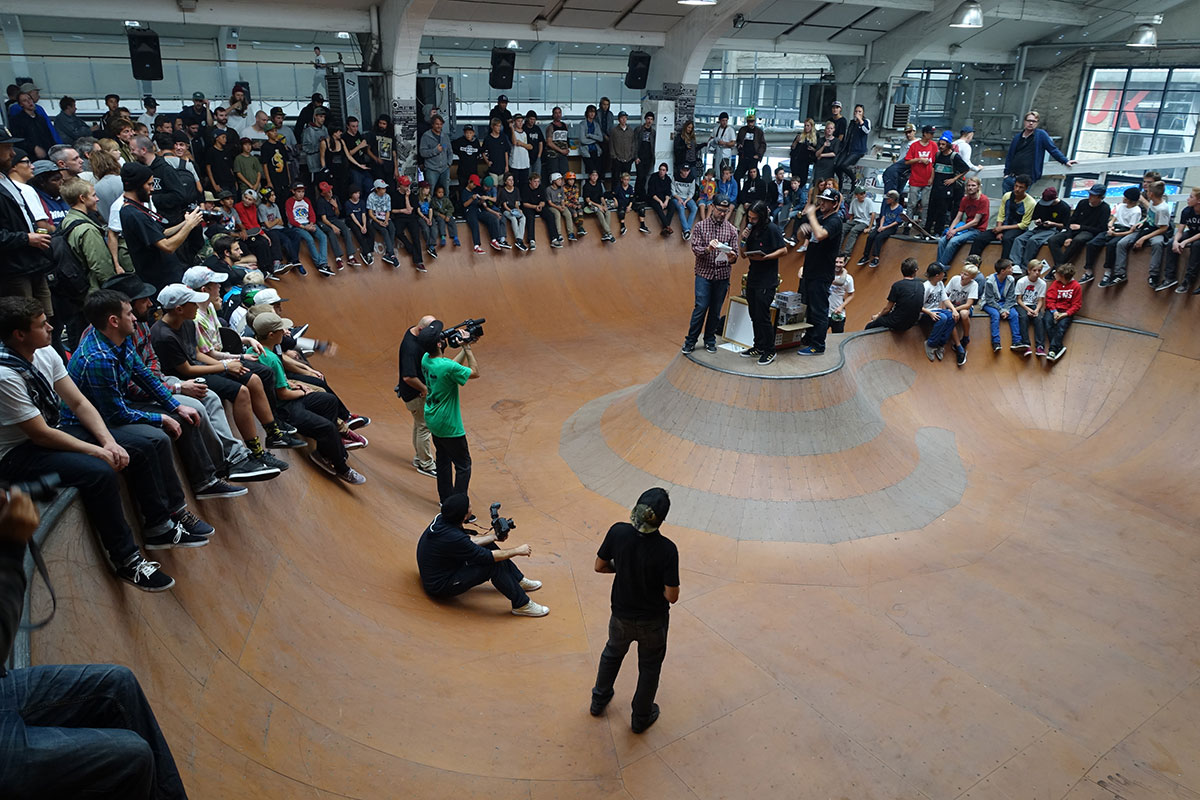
{"x": 454, "y": 508}
{"x": 651, "y": 510}
{"x": 134, "y": 174}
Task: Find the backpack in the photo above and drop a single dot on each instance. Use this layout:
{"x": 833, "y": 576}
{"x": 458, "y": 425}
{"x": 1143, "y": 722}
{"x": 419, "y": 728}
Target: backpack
{"x": 68, "y": 276}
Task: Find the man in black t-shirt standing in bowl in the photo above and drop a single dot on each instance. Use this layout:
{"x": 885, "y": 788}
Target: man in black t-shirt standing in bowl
{"x": 645, "y": 565}
{"x": 763, "y": 245}
{"x": 412, "y": 390}
{"x": 824, "y": 234}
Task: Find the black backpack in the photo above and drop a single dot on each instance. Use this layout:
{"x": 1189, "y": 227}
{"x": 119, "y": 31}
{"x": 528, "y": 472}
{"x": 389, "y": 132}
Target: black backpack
{"x": 67, "y": 276}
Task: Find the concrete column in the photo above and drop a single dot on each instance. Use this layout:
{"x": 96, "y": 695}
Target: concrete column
{"x": 401, "y": 24}
{"x": 227, "y": 57}
{"x": 541, "y": 57}
{"x": 14, "y": 39}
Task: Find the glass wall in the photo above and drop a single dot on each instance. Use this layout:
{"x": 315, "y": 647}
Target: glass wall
{"x": 932, "y": 93}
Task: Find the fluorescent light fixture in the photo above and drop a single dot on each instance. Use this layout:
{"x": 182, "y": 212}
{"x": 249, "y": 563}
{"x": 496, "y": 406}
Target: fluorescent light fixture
{"x": 343, "y": 34}
{"x": 968, "y": 15}
{"x": 1143, "y": 36}
{"x": 512, "y": 44}
{"x": 132, "y": 23}
{"x": 697, "y": 2}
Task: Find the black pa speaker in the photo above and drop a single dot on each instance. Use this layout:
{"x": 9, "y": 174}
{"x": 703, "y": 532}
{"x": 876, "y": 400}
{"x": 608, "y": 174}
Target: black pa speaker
{"x": 144, "y": 55}
{"x": 503, "y": 63}
{"x": 639, "y": 70}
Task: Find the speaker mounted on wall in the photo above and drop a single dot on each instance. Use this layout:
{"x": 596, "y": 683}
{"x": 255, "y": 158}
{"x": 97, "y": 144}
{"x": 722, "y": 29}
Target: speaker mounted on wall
{"x": 144, "y": 54}
{"x": 639, "y": 70}
{"x": 503, "y": 64}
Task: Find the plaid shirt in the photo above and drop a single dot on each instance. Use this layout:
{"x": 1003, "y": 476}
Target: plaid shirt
{"x": 145, "y": 351}
{"x": 103, "y": 372}
{"x": 704, "y": 232}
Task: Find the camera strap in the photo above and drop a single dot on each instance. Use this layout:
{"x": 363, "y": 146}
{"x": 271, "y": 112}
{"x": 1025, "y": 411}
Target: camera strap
{"x": 40, "y": 563}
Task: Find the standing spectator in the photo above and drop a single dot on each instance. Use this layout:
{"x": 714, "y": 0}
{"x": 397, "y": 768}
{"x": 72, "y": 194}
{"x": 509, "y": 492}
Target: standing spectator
{"x": 558, "y": 144}
{"x": 337, "y": 162}
{"x": 904, "y": 301}
{"x": 1152, "y": 231}
{"x": 256, "y": 132}
{"x": 383, "y": 150}
{"x": 411, "y": 389}
{"x": 884, "y": 227}
{"x": 198, "y": 113}
{"x": 313, "y": 143}
{"x": 589, "y": 140}
{"x": 854, "y": 145}
{"x": 1027, "y": 153}
{"x": 37, "y": 131}
{"x": 762, "y": 244}
{"x": 275, "y": 156}
{"x": 646, "y": 156}
{"x": 67, "y": 159}
{"x": 968, "y": 225}
{"x": 841, "y": 292}
{"x": 751, "y": 146}
{"x": 1031, "y": 307}
{"x": 827, "y": 153}
{"x": 919, "y": 158}
{"x": 357, "y": 153}
{"x": 686, "y": 149}
{"x": 247, "y": 168}
{"x": 604, "y": 116}
{"x": 47, "y": 182}
{"x": 69, "y": 126}
{"x": 715, "y": 246}
{"x": 645, "y": 565}
{"x": 962, "y": 146}
{"x": 860, "y": 220}
{"x": 519, "y": 163}
{"x": 683, "y": 190}
{"x": 722, "y": 143}
{"x": 20, "y": 175}
{"x": 840, "y": 123}
{"x": 824, "y": 234}
{"x": 112, "y": 102}
{"x": 84, "y": 237}
{"x": 496, "y": 148}
{"x": 1088, "y": 220}
{"x": 318, "y": 62}
{"x": 106, "y": 174}
{"x": 537, "y": 144}
{"x": 500, "y": 111}
{"x": 534, "y": 203}
{"x": 1125, "y": 217}
{"x": 1050, "y": 216}
{"x": 1012, "y": 219}
{"x": 803, "y": 152}
{"x": 437, "y": 151}
{"x": 218, "y": 164}
{"x": 1187, "y": 237}
{"x": 285, "y": 130}
{"x": 24, "y": 260}
{"x": 999, "y": 299}
{"x": 622, "y": 144}
{"x": 1064, "y": 298}
{"x": 302, "y": 221}
{"x": 948, "y": 170}
{"x": 469, "y": 153}
{"x": 151, "y": 106}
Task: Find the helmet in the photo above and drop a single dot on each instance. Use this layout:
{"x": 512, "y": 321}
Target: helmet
{"x": 570, "y": 176}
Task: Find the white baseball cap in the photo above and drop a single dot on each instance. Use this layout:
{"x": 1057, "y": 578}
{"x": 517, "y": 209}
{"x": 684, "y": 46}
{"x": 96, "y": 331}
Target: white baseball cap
{"x": 555, "y": 176}
{"x": 199, "y": 277}
{"x": 174, "y": 295}
{"x": 268, "y": 296}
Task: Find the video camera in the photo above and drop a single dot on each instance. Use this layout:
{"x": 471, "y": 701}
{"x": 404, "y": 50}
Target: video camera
{"x": 500, "y": 525}
{"x": 40, "y": 489}
{"x": 209, "y": 217}
{"x": 466, "y": 332}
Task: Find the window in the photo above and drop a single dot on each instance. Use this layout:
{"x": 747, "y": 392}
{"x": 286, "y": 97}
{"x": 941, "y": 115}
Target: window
{"x": 932, "y": 92}
{"x": 1139, "y": 111}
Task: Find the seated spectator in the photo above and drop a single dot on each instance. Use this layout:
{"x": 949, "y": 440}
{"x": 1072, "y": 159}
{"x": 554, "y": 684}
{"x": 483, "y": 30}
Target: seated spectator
{"x": 940, "y": 312}
{"x": 408, "y": 226}
{"x": 574, "y": 205}
{"x": 284, "y": 240}
{"x": 1050, "y": 216}
{"x": 969, "y": 223}
{"x": 1152, "y": 231}
{"x": 658, "y": 192}
{"x": 152, "y": 246}
{"x": 510, "y": 207}
{"x": 706, "y": 192}
{"x": 904, "y": 301}
{"x": 424, "y": 214}
{"x": 174, "y": 338}
{"x": 535, "y": 203}
{"x": 683, "y": 191}
{"x": 859, "y": 220}
{"x": 1031, "y": 306}
{"x": 556, "y": 203}
{"x": 1064, "y": 298}
{"x": 267, "y": 255}
{"x": 70, "y": 127}
{"x": 329, "y": 220}
{"x": 443, "y": 217}
{"x": 379, "y": 207}
{"x": 999, "y": 299}
{"x": 883, "y": 228}
{"x": 1088, "y": 220}
{"x": 963, "y": 292}
{"x": 311, "y": 410}
{"x": 727, "y": 185}
{"x": 792, "y": 211}
{"x": 595, "y": 203}
{"x": 1125, "y": 217}
{"x": 754, "y": 188}
{"x": 1013, "y": 218}
{"x": 29, "y": 122}
{"x": 358, "y": 220}
{"x": 624, "y": 194}
{"x": 1187, "y": 237}
{"x": 301, "y": 220}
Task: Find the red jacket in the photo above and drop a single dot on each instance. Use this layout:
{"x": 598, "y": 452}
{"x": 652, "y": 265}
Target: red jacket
{"x": 1064, "y": 297}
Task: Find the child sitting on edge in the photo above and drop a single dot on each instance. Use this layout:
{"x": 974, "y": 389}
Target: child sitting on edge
{"x": 705, "y": 194}
{"x": 1064, "y": 298}
{"x": 571, "y": 199}
{"x": 939, "y": 311}
{"x": 443, "y": 217}
{"x": 999, "y": 299}
{"x": 1031, "y": 306}
{"x": 963, "y": 293}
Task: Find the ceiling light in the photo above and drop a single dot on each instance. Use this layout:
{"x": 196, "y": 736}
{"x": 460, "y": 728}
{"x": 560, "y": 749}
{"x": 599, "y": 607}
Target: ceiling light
{"x": 512, "y": 44}
{"x": 697, "y": 2}
{"x": 343, "y": 34}
{"x": 132, "y": 23}
{"x": 968, "y": 15}
{"x": 1143, "y": 36}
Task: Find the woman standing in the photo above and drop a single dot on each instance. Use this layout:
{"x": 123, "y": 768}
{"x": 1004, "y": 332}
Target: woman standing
{"x": 803, "y": 152}
{"x": 685, "y": 148}
{"x": 339, "y": 162}
{"x": 827, "y": 153}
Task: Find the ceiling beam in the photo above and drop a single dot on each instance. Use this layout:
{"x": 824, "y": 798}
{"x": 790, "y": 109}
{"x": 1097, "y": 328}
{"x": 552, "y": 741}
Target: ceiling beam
{"x": 1053, "y": 12}
{"x": 903, "y": 5}
{"x": 782, "y": 45}
{"x": 293, "y": 16}
{"x": 553, "y": 33}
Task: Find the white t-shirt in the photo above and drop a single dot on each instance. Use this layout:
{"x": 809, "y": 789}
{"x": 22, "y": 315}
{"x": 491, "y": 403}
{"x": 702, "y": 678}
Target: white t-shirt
{"x": 1029, "y": 292}
{"x": 148, "y": 121}
{"x": 1129, "y": 216}
{"x": 935, "y": 293}
{"x": 838, "y": 291}
{"x": 860, "y": 212}
{"x": 114, "y": 214}
{"x": 963, "y": 148}
{"x": 519, "y": 158}
{"x": 1159, "y": 215}
{"x": 33, "y": 203}
{"x": 723, "y": 134}
{"x": 960, "y": 294}
{"x": 15, "y": 405}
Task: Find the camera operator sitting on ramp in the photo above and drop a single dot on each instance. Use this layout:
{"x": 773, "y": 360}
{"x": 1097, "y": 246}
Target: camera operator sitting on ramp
{"x": 443, "y": 415}
{"x": 451, "y": 561}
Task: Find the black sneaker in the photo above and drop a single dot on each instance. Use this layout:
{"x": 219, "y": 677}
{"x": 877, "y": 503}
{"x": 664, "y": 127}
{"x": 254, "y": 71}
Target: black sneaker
{"x": 271, "y": 462}
{"x": 687, "y": 348}
{"x": 1196, "y": 290}
{"x": 1181, "y": 288}
{"x": 176, "y": 537}
{"x": 325, "y": 270}
{"x": 873, "y": 263}
{"x": 220, "y": 490}
{"x": 622, "y": 228}
{"x": 471, "y": 518}
{"x": 285, "y": 427}
{"x": 1087, "y": 277}
{"x": 284, "y": 269}
{"x": 193, "y": 524}
{"x": 145, "y": 575}
{"x": 639, "y": 727}
{"x": 1167, "y": 284}
{"x": 581, "y": 232}
{"x": 1119, "y": 279}
{"x": 765, "y": 358}
{"x": 750, "y": 352}
{"x": 862, "y": 262}
{"x": 283, "y": 441}
{"x": 368, "y": 259}
{"x": 520, "y": 245}
{"x": 299, "y": 330}
{"x": 251, "y": 469}
{"x": 358, "y": 421}
{"x": 960, "y": 356}
{"x": 392, "y": 260}
{"x": 1105, "y": 282}
{"x": 432, "y": 252}
{"x": 420, "y": 267}
{"x": 556, "y": 242}
{"x": 532, "y": 245}
{"x": 643, "y": 229}
{"x": 711, "y": 348}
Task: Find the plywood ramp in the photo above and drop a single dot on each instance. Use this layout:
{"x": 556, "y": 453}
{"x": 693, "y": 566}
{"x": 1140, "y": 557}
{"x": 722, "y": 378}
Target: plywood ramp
{"x": 919, "y": 582}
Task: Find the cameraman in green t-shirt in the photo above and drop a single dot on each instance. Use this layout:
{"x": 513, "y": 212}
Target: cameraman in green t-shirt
{"x": 443, "y": 416}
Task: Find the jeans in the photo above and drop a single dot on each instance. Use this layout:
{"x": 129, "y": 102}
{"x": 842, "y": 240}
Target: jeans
{"x": 1038, "y": 324}
{"x": 665, "y": 215}
{"x": 744, "y": 164}
{"x": 504, "y": 575}
{"x": 199, "y": 449}
{"x": 816, "y": 298}
{"x": 850, "y": 234}
{"x": 942, "y": 328}
{"x": 1014, "y": 324}
{"x": 317, "y": 244}
{"x": 759, "y": 302}
{"x": 686, "y": 212}
{"x": 1027, "y": 245}
{"x": 651, "y": 637}
{"x": 474, "y": 215}
{"x": 436, "y": 177}
{"x": 315, "y": 416}
{"x": 365, "y": 239}
{"x": 338, "y": 233}
{"x": 1055, "y": 331}
{"x": 876, "y": 239}
{"x": 421, "y": 438}
{"x": 1193, "y": 264}
{"x": 453, "y": 465}
{"x": 941, "y": 205}
{"x": 445, "y": 227}
{"x": 947, "y": 248}
{"x": 1157, "y": 245}
{"x": 364, "y": 181}
{"x": 82, "y": 731}
{"x": 516, "y": 219}
{"x": 547, "y": 215}
{"x": 1079, "y": 240}
{"x": 408, "y": 233}
{"x": 843, "y": 168}
{"x": 1105, "y": 242}
{"x": 388, "y": 232}
{"x": 710, "y": 296}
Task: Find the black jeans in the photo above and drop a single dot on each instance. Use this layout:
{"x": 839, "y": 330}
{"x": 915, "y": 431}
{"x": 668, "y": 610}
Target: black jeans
{"x": 314, "y": 416}
{"x": 651, "y": 636}
{"x": 876, "y": 239}
{"x": 199, "y": 448}
{"x": 665, "y": 215}
{"x": 408, "y": 233}
{"x": 153, "y": 482}
{"x": 504, "y": 575}
{"x": 98, "y": 484}
{"x": 1056, "y": 331}
{"x": 547, "y": 217}
{"x": 816, "y": 298}
{"x": 452, "y": 452}
{"x": 1079, "y": 240}
{"x": 759, "y": 302}
{"x": 744, "y": 163}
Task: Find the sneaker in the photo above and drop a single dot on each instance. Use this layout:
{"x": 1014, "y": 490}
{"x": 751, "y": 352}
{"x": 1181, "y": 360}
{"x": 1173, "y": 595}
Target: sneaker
{"x": 862, "y": 262}
{"x": 395, "y": 262}
{"x": 1060, "y": 353}
{"x": 176, "y": 537}
{"x": 687, "y": 235}
{"x": 457, "y": 243}
{"x": 687, "y": 348}
{"x": 352, "y": 477}
{"x": 622, "y": 228}
{"x": 1119, "y": 279}
{"x": 556, "y": 242}
{"x": 431, "y": 471}
{"x": 368, "y": 259}
{"x": 581, "y": 232}
{"x": 194, "y": 525}
{"x": 325, "y": 270}
{"x": 442, "y": 242}
{"x": 571, "y": 237}
{"x": 995, "y": 347}
{"x": 749, "y": 352}
{"x": 960, "y": 356}
{"x": 471, "y": 518}
{"x": 300, "y": 268}
{"x": 432, "y": 252}
{"x": 520, "y": 246}
{"x": 339, "y": 263}
{"x": 145, "y": 575}
{"x": 597, "y": 708}
{"x": 353, "y": 441}
{"x": 271, "y": 462}
{"x": 531, "y": 609}
{"x": 283, "y": 269}
{"x": 420, "y": 267}
{"x": 504, "y": 244}
{"x": 1167, "y": 284}
{"x": 272, "y": 276}
{"x": 251, "y": 469}
{"x": 357, "y": 421}
{"x": 711, "y": 348}
{"x": 639, "y": 727}
{"x": 1151, "y": 282}
{"x": 1181, "y": 288}
{"x": 789, "y": 241}
{"x": 219, "y": 490}
{"x": 940, "y": 353}
{"x": 643, "y": 229}
{"x": 478, "y": 249}
{"x": 284, "y": 441}
{"x": 299, "y": 330}
{"x": 1087, "y": 277}
{"x": 322, "y": 462}
{"x": 930, "y": 351}
{"x": 532, "y": 245}
{"x": 810, "y": 351}
{"x": 496, "y": 244}
{"x": 1018, "y": 346}
{"x": 1028, "y": 351}
{"x": 765, "y": 358}
{"x": 966, "y": 340}
{"x": 530, "y": 585}
{"x": 1105, "y": 282}
{"x": 1041, "y": 352}
{"x": 873, "y": 263}
{"x": 608, "y": 237}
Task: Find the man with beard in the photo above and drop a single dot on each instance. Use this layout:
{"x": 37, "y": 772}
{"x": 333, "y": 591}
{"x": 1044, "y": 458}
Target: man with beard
{"x": 152, "y": 243}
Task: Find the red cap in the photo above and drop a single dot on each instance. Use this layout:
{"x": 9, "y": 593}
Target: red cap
{"x": 473, "y": 180}
{"x": 405, "y": 180}
{"x": 324, "y": 186}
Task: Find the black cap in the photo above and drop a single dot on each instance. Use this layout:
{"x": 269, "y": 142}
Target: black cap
{"x": 6, "y": 139}
{"x": 223, "y": 194}
{"x": 318, "y": 97}
{"x": 651, "y": 509}
{"x": 723, "y": 115}
{"x": 133, "y": 174}
{"x": 149, "y": 101}
{"x": 19, "y": 154}
{"x": 130, "y": 285}
{"x": 721, "y": 200}
{"x": 428, "y": 336}
{"x": 454, "y": 507}
{"x": 1132, "y": 194}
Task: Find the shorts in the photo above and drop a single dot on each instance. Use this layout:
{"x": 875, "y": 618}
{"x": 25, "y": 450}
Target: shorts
{"x": 703, "y": 201}
{"x": 227, "y": 385}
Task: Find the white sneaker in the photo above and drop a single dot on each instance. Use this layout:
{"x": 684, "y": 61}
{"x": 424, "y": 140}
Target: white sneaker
{"x": 531, "y": 609}
{"x": 530, "y": 585}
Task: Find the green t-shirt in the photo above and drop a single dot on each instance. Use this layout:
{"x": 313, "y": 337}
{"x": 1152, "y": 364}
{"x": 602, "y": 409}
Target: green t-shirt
{"x": 443, "y": 376}
{"x": 269, "y": 359}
